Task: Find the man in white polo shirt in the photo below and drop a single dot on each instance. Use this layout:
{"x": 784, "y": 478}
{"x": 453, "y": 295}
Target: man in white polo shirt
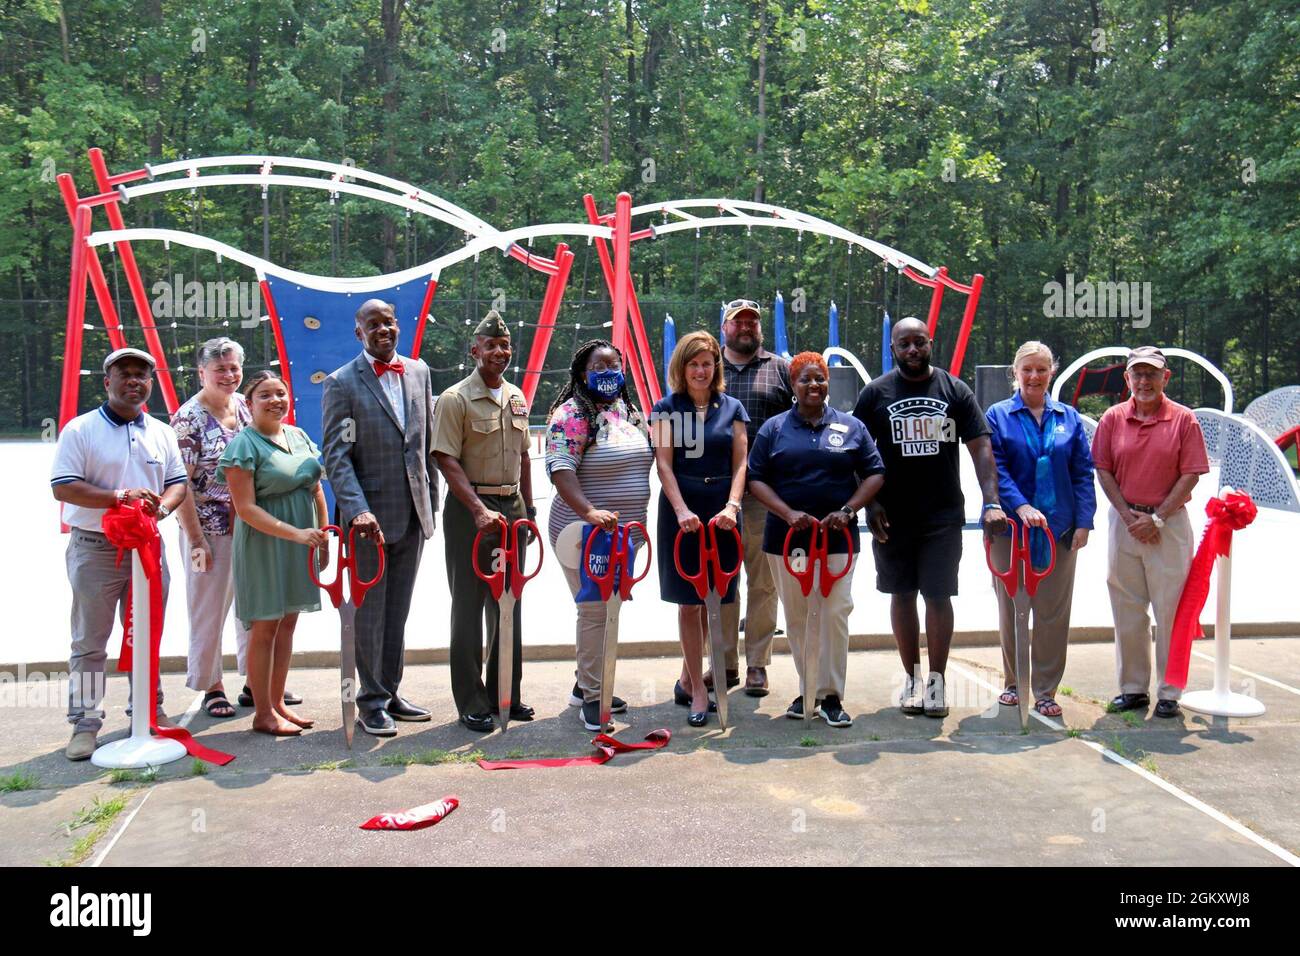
{"x": 114, "y": 454}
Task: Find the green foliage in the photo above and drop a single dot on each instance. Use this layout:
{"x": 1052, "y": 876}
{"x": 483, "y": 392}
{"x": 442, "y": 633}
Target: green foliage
{"x": 1138, "y": 141}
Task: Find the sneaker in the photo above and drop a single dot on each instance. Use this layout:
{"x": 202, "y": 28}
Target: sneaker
{"x": 830, "y": 711}
{"x": 795, "y": 710}
{"x": 617, "y": 705}
{"x": 590, "y": 716}
{"x": 911, "y": 700}
{"x": 935, "y": 704}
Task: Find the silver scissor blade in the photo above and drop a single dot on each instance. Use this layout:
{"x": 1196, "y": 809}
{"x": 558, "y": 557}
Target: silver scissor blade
{"x": 717, "y": 654}
{"x": 609, "y": 659}
{"x": 812, "y": 644}
{"x": 348, "y": 668}
{"x": 505, "y": 657}
{"x": 1024, "y": 681}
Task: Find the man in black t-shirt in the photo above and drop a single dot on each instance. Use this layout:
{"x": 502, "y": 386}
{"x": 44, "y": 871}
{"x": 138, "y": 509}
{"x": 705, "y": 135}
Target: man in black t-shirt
{"x": 917, "y": 415}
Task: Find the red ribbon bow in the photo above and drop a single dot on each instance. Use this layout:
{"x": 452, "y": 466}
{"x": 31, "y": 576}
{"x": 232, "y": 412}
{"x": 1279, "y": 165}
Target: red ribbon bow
{"x": 382, "y": 367}
{"x": 1227, "y": 515}
{"x": 131, "y": 528}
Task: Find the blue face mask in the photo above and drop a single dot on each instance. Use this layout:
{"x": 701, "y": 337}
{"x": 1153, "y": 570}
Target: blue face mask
{"x": 606, "y": 384}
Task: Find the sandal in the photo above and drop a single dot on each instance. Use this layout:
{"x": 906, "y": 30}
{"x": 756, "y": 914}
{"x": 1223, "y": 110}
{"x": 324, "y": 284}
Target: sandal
{"x": 1009, "y": 697}
{"x": 246, "y": 697}
{"x": 1047, "y": 707}
{"x": 216, "y": 704}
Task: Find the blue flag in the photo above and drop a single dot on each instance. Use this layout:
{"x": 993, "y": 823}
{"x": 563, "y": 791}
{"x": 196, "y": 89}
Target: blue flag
{"x": 886, "y": 355}
{"x": 778, "y": 313}
{"x": 833, "y": 337}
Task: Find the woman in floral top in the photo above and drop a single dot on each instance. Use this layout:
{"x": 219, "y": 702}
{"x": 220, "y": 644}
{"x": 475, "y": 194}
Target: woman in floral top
{"x": 598, "y": 456}
{"x": 204, "y": 426}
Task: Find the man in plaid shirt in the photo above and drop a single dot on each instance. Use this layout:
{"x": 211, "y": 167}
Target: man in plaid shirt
{"x": 760, "y": 381}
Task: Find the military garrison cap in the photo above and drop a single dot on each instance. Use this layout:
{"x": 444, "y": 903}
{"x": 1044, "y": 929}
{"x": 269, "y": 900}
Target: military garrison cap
{"x": 492, "y": 326}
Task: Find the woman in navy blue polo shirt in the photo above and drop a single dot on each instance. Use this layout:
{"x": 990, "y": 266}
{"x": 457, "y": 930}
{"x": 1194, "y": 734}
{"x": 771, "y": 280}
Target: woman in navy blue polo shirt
{"x": 1045, "y": 477}
{"x": 700, "y": 449}
{"x": 815, "y": 465}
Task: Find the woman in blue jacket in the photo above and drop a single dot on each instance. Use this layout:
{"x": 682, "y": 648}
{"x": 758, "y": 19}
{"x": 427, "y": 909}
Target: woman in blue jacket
{"x": 1045, "y": 477}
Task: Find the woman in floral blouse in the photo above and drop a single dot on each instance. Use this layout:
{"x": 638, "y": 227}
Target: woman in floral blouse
{"x": 598, "y": 456}
{"x": 204, "y": 426}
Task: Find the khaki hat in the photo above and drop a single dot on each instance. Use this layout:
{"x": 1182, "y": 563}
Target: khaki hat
{"x": 736, "y": 306}
{"x": 1146, "y": 355}
{"x": 120, "y": 354}
{"x": 492, "y": 326}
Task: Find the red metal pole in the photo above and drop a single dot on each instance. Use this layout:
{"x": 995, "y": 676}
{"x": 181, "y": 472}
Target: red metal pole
{"x": 967, "y": 320}
{"x": 136, "y": 285}
{"x": 424, "y": 315}
{"x": 936, "y": 300}
{"x": 622, "y": 266}
{"x": 71, "y": 384}
{"x": 279, "y": 346}
{"x": 112, "y": 324}
{"x": 643, "y": 354}
{"x": 546, "y": 322}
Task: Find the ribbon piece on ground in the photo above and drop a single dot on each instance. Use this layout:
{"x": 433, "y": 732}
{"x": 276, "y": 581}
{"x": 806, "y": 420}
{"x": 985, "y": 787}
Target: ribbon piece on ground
{"x": 416, "y": 818}
{"x": 606, "y": 747}
{"x": 131, "y": 528}
{"x": 1227, "y": 515}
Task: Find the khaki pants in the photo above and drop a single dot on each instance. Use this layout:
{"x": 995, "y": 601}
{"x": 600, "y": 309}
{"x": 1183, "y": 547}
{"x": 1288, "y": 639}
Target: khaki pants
{"x": 833, "y": 661}
{"x": 590, "y": 640}
{"x": 210, "y": 593}
{"x": 1049, "y": 611}
{"x": 1143, "y": 575}
{"x": 760, "y": 595}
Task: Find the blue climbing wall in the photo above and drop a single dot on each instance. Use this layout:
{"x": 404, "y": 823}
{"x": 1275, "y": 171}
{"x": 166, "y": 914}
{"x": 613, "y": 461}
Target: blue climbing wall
{"x": 317, "y": 328}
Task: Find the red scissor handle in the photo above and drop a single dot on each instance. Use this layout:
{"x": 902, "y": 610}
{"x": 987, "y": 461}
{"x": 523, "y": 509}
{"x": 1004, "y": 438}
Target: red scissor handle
{"x": 1020, "y": 558}
{"x": 358, "y": 586}
{"x": 511, "y": 557}
{"x": 817, "y": 552}
{"x": 619, "y": 553}
{"x": 347, "y": 565}
{"x": 710, "y": 557}
{"x": 334, "y": 588}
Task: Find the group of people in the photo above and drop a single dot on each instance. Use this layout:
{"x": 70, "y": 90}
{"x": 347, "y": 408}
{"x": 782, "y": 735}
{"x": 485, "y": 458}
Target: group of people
{"x": 744, "y": 439}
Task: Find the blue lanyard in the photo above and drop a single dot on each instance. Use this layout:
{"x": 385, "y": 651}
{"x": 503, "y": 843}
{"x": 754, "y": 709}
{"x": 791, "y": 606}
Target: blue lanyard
{"x": 1040, "y": 443}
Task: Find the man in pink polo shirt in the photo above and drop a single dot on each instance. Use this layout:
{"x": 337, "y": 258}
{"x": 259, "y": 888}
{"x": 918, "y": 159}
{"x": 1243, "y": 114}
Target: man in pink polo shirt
{"x": 1149, "y": 453}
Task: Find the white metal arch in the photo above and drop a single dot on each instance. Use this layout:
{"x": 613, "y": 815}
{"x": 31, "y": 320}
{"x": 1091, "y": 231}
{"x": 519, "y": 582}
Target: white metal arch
{"x": 832, "y": 350}
{"x": 738, "y": 213}
{"x": 336, "y": 169}
{"x": 263, "y": 267}
{"x": 1119, "y": 351}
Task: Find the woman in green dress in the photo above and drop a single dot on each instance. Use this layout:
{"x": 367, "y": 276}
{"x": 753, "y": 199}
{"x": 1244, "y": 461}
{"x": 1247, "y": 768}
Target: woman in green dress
{"x": 274, "y": 480}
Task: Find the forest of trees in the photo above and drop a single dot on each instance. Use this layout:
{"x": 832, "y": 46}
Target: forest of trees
{"x": 1149, "y": 141}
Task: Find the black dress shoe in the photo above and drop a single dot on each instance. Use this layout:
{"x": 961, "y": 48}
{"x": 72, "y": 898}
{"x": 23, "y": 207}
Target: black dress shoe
{"x": 1168, "y": 708}
{"x": 377, "y": 722}
{"x": 480, "y": 722}
{"x": 1129, "y": 702}
{"x": 683, "y": 699}
{"x": 517, "y": 712}
{"x": 697, "y": 719}
{"x": 401, "y": 709}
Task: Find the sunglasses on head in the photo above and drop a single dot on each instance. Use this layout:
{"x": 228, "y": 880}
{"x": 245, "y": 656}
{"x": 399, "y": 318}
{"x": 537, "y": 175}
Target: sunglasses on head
{"x": 742, "y": 304}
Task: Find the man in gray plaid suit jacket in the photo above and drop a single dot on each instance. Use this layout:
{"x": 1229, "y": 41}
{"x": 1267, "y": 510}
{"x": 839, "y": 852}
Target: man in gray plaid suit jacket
{"x": 378, "y": 456}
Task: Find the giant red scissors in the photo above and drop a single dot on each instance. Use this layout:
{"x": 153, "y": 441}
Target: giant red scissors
{"x": 506, "y": 582}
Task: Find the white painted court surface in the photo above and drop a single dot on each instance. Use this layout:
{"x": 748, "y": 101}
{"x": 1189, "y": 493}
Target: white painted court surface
{"x": 38, "y": 596}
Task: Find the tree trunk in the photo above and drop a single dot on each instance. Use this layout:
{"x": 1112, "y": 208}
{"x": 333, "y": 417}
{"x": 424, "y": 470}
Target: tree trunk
{"x": 391, "y": 17}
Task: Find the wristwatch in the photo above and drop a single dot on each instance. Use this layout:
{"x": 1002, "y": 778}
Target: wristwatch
{"x": 163, "y": 512}
{"x": 1158, "y": 521}
{"x": 531, "y": 511}
{"x": 851, "y": 512}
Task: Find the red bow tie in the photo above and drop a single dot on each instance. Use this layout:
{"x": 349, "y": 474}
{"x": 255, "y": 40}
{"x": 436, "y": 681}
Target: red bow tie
{"x": 382, "y": 367}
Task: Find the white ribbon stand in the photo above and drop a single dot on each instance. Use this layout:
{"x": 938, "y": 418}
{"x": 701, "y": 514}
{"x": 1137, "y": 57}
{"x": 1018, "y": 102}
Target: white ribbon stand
{"x": 1222, "y": 701}
{"x": 141, "y": 749}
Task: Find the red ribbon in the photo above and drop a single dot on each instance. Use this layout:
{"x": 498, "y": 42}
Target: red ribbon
{"x": 417, "y": 818}
{"x": 606, "y": 747}
{"x": 130, "y": 528}
{"x": 1226, "y": 516}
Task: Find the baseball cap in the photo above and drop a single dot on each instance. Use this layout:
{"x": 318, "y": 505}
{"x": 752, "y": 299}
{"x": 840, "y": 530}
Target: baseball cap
{"x": 119, "y": 354}
{"x": 1146, "y": 355}
{"x": 736, "y": 306}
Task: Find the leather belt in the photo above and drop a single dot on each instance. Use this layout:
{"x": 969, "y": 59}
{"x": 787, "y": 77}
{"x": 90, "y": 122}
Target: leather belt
{"x": 1143, "y": 509}
{"x": 506, "y": 490}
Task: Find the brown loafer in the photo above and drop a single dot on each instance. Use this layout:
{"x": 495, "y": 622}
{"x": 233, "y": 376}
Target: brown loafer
{"x": 756, "y": 681}
{"x": 81, "y": 746}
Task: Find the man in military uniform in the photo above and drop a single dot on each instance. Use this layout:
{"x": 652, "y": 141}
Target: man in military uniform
{"x": 481, "y": 442}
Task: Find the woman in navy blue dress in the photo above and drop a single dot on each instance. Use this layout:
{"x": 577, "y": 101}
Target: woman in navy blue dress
{"x": 700, "y": 451}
